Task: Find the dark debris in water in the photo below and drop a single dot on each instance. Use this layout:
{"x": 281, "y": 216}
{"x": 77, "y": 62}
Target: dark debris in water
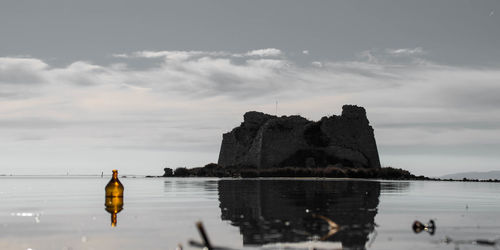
{"x": 430, "y": 227}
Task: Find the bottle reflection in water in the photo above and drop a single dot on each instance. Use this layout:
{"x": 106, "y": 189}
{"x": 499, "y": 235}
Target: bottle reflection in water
{"x": 114, "y": 197}
{"x": 114, "y": 205}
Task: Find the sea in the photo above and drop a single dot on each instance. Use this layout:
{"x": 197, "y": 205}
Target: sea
{"x": 69, "y": 212}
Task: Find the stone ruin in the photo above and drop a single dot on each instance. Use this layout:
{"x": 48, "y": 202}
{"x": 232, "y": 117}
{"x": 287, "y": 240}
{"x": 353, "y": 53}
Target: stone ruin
{"x": 266, "y": 141}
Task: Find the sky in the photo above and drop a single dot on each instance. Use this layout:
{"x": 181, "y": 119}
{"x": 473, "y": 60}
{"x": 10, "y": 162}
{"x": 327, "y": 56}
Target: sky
{"x": 90, "y": 86}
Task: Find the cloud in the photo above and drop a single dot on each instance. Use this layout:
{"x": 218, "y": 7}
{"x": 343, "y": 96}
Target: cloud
{"x": 121, "y": 55}
{"x": 172, "y": 55}
{"x": 184, "y": 55}
{"x": 406, "y": 52}
{"x": 317, "y": 64}
{"x": 264, "y": 52}
{"x": 21, "y": 70}
{"x": 401, "y": 56}
{"x": 189, "y": 99}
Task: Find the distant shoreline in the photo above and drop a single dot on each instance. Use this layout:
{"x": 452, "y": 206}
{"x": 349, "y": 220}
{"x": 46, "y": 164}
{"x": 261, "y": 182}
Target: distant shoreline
{"x": 384, "y": 173}
{"x": 268, "y": 175}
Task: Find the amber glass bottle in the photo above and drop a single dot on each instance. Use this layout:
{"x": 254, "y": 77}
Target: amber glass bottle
{"x": 114, "y": 187}
{"x": 114, "y": 197}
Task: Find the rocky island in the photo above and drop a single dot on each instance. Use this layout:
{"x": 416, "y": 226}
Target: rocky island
{"x": 265, "y": 141}
{"x": 292, "y": 146}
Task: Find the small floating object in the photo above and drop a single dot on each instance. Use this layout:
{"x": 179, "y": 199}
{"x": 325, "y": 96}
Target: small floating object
{"x": 114, "y": 188}
{"x": 430, "y": 227}
{"x": 114, "y": 197}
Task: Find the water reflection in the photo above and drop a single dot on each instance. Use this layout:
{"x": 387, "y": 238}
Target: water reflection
{"x": 114, "y": 205}
{"x": 395, "y": 187}
{"x": 272, "y": 211}
{"x": 190, "y": 185}
{"x": 114, "y": 197}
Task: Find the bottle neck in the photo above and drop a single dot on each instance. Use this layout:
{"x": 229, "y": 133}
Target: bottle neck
{"x": 115, "y": 175}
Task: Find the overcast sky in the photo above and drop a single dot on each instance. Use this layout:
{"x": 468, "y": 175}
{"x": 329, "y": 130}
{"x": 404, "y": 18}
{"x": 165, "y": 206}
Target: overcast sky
{"x": 88, "y": 86}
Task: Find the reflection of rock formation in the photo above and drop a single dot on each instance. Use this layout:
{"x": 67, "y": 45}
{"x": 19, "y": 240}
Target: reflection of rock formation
{"x": 395, "y": 186}
{"x": 269, "y": 211}
{"x": 266, "y": 141}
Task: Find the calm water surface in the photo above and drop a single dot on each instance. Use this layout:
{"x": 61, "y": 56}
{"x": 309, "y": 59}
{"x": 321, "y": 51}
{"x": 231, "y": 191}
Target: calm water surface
{"x": 69, "y": 213}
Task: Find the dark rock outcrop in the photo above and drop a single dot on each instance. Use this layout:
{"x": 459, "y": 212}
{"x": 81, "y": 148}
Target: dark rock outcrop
{"x": 168, "y": 172}
{"x": 266, "y": 141}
